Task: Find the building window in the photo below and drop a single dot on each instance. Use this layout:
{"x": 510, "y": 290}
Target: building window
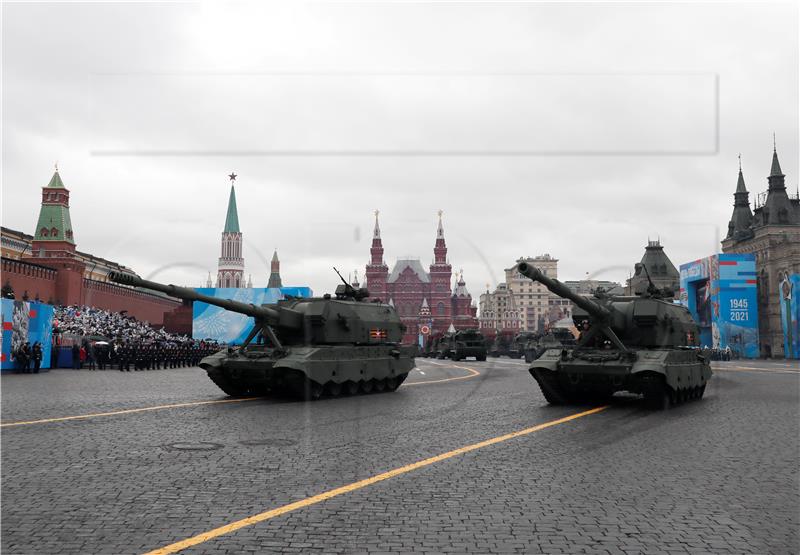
{"x": 44, "y": 232}
{"x": 54, "y": 232}
{"x": 440, "y": 309}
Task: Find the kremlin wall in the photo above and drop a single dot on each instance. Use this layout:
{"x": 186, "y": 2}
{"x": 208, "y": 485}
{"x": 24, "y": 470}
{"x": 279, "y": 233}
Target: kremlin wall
{"x": 47, "y": 266}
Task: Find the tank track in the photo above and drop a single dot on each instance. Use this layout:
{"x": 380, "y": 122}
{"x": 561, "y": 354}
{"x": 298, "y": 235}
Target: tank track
{"x": 228, "y": 386}
{"x": 310, "y": 390}
{"x": 665, "y": 397}
{"x": 551, "y": 389}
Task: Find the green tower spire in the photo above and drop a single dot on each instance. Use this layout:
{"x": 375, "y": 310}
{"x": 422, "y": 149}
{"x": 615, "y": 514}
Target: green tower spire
{"x": 54, "y": 223}
{"x": 232, "y": 219}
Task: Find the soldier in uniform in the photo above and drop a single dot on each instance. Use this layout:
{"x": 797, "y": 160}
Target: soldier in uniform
{"x": 138, "y": 357}
{"x": 36, "y": 354}
{"x": 127, "y": 357}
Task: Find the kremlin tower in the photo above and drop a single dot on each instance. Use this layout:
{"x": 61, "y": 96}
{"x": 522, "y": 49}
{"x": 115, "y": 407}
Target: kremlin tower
{"x": 231, "y": 263}
{"x": 275, "y": 272}
{"x": 54, "y": 244}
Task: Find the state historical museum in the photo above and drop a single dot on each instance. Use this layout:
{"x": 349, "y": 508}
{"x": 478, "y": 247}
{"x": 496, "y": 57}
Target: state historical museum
{"x": 424, "y": 300}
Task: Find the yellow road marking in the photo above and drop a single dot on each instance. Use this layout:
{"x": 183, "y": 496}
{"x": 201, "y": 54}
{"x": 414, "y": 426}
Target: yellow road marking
{"x": 266, "y": 515}
{"x": 126, "y": 411}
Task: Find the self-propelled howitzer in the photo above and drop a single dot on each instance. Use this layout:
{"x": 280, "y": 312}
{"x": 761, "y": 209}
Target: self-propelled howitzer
{"x": 641, "y": 344}
{"x": 306, "y": 346}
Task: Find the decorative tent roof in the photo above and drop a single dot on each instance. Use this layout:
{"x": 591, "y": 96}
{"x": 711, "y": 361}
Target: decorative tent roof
{"x": 776, "y": 166}
{"x": 414, "y": 264}
{"x": 54, "y": 223}
{"x": 232, "y": 218}
{"x": 55, "y": 182}
{"x": 461, "y": 287}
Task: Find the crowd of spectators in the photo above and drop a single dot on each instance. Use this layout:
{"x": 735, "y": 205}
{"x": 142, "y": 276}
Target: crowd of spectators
{"x": 93, "y": 322}
{"x": 101, "y": 339}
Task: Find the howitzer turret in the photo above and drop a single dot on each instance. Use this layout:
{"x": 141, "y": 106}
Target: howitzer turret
{"x": 643, "y": 344}
{"x": 307, "y": 346}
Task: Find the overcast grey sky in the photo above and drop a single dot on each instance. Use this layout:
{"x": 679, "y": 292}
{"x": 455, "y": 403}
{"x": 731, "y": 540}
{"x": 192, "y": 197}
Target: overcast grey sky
{"x": 616, "y": 122}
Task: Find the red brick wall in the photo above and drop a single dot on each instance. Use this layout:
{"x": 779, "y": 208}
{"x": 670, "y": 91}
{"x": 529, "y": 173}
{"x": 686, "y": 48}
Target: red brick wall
{"x": 142, "y": 306}
{"x": 180, "y": 319}
{"x": 66, "y": 285}
{"x": 34, "y": 279}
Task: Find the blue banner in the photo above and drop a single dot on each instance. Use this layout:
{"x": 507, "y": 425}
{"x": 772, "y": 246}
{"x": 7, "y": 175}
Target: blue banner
{"x": 721, "y": 293}
{"x": 25, "y": 322}
{"x": 218, "y": 324}
{"x": 788, "y": 290}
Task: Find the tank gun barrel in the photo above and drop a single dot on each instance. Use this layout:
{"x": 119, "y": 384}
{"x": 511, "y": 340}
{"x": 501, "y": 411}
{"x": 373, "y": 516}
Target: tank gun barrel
{"x": 563, "y": 291}
{"x": 258, "y": 312}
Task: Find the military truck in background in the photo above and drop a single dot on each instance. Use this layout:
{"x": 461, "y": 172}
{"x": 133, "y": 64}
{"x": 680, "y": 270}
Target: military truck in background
{"x": 464, "y": 344}
{"x": 554, "y": 338}
{"x": 503, "y": 346}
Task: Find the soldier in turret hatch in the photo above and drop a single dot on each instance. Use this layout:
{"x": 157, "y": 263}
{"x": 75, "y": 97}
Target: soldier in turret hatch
{"x": 584, "y": 329}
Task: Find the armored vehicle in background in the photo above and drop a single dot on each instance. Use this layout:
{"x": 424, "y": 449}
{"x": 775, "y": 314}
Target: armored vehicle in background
{"x": 641, "y": 344}
{"x": 466, "y": 343}
{"x": 521, "y": 341}
{"x": 554, "y": 338}
{"x": 307, "y": 347}
{"x": 503, "y": 345}
{"x": 431, "y": 346}
{"x": 442, "y": 346}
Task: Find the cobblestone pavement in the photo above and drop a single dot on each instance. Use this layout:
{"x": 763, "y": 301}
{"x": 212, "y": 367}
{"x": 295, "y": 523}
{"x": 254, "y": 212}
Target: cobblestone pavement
{"x": 714, "y": 476}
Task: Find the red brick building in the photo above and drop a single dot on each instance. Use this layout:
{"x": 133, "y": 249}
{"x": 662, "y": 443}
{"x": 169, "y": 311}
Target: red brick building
{"x": 422, "y": 298}
{"x": 47, "y": 266}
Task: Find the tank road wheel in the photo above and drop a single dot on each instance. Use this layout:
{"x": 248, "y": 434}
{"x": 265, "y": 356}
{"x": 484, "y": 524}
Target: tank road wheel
{"x": 379, "y": 385}
{"x": 550, "y": 388}
{"x": 333, "y": 389}
{"x": 659, "y": 399}
{"x": 391, "y": 384}
{"x": 366, "y": 386}
{"x": 673, "y": 397}
{"x": 351, "y": 388}
{"x": 313, "y": 390}
{"x": 307, "y": 389}
{"x": 227, "y": 386}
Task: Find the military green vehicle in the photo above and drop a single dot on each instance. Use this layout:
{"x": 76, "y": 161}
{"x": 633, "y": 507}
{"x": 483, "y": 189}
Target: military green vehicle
{"x": 503, "y": 345}
{"x": 642, "y": 344}
{"x": 466, "y": 343}
{"x": 431, "y": 347}
{"x": 311, "y": 346}
{"x": 554, "y": 338}
{"x": 521, "y": 341}
{"x": 443, "y": 347}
